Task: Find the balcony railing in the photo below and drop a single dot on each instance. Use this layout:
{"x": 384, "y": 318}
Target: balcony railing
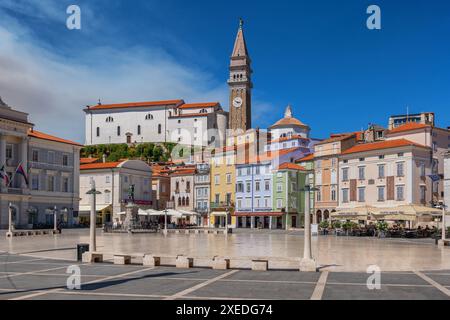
{"x": 221, "y": 205}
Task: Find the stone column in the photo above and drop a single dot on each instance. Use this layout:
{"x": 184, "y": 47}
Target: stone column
{"x": 252, "y": 222}
{"x": 270, "y": 223}
{"x": 2, "y": 157}
{"x": 24, "y": 159}
{"x": 307, "y": 263}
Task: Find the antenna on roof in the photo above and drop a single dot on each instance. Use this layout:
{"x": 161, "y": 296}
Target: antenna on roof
{"x": 99, "y": 102}
{"x": 407, "y": 113}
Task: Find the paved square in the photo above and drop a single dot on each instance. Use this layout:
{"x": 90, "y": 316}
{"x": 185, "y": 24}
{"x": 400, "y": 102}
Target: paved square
{"x": 26, "y": 278}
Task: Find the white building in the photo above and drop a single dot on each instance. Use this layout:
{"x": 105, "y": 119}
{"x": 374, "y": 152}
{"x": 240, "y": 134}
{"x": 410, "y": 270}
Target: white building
{"x": 113, "y": 180}
{"x": 200, "y": 124}
{"x": 52, "y": 168}
{"x": 447, "y": 184}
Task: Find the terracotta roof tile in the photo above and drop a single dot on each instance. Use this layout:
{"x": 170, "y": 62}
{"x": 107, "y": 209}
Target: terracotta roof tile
{"x": 44, "y": 136}
{"x": 389, "y": 144}
{"x": 309, "y": 157}
{"x": 409, "y": 127}
{"x": 198, "y": 105}
{"x": 101, "y": 165}
{"x": 290, "y": 166}
{"x": 289, "y": 122}
{"x": 135, "y": 104}
{"x": 88, "y": 160}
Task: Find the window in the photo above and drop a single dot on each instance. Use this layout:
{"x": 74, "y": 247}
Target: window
{"x": 400, "y": 193}
{"x": 217, "y": 198}
{"x": 249, "y": 171}
{"x": 149, "y": 117}
{"x": 108, "y": 179}
{"x": 345, "y": 195}
{"x": 400, "y": 169}
{"x": 228, "y": 199}
{"x": 257, "y": 186}
{"x": 51, "y": 157}
{"x": 98, "y": 131}
{"x": 109, "y": 119}
{"x": 362, "y": 173}
{"x": 362, "y": 159}
{"x": 228, "y": 178}
{"x": 279, "y": 203}
{"x": 381, "y": 174}
{"x": 9, "y": 152}
{"x": 401, "y": 154}
{"x": 361, "y": 194}
{"x": 345, "y": 174}
{"x": 422, "y": 169}
{"x": 267, "y": 202}
{"x": 35, "y": 156}
{"x": 423, "y": 193}
{"x": 319, "y": 195}
{"x": 381, "y": 193}
{"x": 65, "y": 184}
{"x": 248, "y": 187}
{"x": 333, "y": 194}
{"x": 381, "y": 157}
{"x": 35, "y": 182}
{"x": 279, "y": 187}
{"x": 258, "y": 170}
{"x": 159, "y": 129}
{"x": 65, "y": 160}
{"x": 240, "y": 187}
{"x": 51, "y": 183}
{"x": 188, "y": 186}
{"x": 258, "y": 202}
{"x": 139, "y": 130}
{"x": 239, "y": 203}
{"x": 267, "y": 185}
{"x": 118, "y": 130}
{"x": 217, "y": 179}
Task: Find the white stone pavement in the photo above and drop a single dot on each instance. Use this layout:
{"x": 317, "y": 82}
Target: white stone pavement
{"x": 336, "y": 253}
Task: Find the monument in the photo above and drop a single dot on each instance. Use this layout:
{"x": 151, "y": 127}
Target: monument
{"x": 131, "y": 210}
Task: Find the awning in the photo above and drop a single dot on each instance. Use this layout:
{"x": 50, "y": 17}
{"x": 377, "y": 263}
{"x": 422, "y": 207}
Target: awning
{"x": 219, "y": 213}
{"x": 258, "y": 214}
{"x": 404, "y": 212}
{"x": 98, "y": 207}
{"x": 358, "y": 213}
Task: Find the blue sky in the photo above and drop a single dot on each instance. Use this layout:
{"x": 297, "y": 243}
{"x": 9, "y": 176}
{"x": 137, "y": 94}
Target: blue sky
{"x": 316, "y": 55}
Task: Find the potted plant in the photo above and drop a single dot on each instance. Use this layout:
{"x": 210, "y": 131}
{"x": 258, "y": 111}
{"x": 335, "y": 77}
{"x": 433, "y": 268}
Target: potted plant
{"x": 382, "y": 228}
{"x": 324, "y": 227}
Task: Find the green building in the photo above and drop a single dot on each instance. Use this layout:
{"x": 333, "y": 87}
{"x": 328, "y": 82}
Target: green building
{"x": 288, "y": 194}
{"x": 308, "y": 163}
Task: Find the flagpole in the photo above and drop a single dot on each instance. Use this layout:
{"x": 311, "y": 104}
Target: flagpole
{"x": 15, "y": 172}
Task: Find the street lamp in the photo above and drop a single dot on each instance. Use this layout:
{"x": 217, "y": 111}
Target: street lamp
{"x": 10, "y": 208}
{"x": 93, "y": 217}
{"x": 307, "y": 263}
{"x": 443, "y": 240}
{"x": 55, "y": 220}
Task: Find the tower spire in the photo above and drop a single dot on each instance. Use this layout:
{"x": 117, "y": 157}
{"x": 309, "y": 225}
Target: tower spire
{"x": 240, "y": 46}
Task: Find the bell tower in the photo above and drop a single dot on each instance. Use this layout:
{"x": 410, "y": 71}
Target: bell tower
{"x": 240, "y": 85}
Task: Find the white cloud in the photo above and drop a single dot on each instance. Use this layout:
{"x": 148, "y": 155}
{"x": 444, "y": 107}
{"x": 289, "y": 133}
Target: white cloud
{"x": 54, "y": 89}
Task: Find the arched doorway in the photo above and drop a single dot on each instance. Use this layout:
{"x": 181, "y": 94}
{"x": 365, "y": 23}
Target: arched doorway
{"x": 326, "y": 215}
{"x": 319, "y": 216}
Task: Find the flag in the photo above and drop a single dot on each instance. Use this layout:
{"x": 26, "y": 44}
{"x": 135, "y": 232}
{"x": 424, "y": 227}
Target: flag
{"x": 22, "y": 172}
{"x": 4, "y": 175}
{"x": 435, "y": 177}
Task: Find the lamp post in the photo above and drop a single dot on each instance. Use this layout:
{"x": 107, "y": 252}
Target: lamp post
{"x": 55, "y": 220}
{"x": 9, "y": 233}
{"x": 93, "y": 217}
{"x": 443, "y": 241}
{"x": 307, "y": 263}
{"x": 227, "y": 211}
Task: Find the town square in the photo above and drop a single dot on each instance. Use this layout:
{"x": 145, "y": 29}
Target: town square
{"x": 215, "y": 159}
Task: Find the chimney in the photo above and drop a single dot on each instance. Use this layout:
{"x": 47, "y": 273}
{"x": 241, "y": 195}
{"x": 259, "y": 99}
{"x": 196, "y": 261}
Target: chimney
{"x": 104, "y": 158}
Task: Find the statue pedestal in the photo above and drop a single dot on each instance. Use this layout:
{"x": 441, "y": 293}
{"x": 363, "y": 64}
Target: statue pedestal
{"x": 131, "y": 218}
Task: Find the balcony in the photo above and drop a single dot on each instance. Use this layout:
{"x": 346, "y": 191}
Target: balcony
{"x": 221, "y": 206}
{"x": 201, "y": 210}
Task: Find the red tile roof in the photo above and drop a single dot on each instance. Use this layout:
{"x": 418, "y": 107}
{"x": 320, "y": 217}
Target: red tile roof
{"x": 336, "y": 138}
{"x": 198, "y": 105}
{"x": 309, "y": 157}
{"x": 88, "y": 160}
{"x": 44, "y": 136}
{"x": 135, "y": 104}
{"x": 409, "y": 127}
{"x": 101, "y": 165}
{"x": 389, "y": 144}
{"x": 183, "y": 172}
{"x": 290, "y": 166}
{"x": 289, "y": 122}
{"x": 190, "y": 115}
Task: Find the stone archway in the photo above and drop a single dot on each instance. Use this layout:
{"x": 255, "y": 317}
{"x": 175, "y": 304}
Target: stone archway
{"x": 319, "y": 216}
{"x": 326, "y": 215}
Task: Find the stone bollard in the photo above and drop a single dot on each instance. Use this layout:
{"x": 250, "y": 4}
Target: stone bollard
{"x": 122, "y": 259}
{"x": 260, "y": 265}
{"x": 92, "y": 257}
{"x": 183, "y": 262}
{"x": 151, "y": 261}
{"x": 220, "y": 263}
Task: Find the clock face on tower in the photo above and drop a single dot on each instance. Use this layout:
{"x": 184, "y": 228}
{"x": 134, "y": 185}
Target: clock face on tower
{"x": 237, "y": 102}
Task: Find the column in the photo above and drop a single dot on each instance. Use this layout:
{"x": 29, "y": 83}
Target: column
{"x": 2, "y": 157}
{"x": 252, "y": 222}
{"x": 270, "y": 222}
{"x": 24, "y": 158}
{"x": 244, "y": 222}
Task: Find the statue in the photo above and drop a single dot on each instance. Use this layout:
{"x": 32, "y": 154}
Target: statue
{"x": 131, "y": 193}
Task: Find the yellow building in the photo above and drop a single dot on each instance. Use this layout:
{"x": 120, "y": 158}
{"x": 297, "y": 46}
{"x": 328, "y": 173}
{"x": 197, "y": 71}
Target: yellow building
{"x": 223, "y": 181}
